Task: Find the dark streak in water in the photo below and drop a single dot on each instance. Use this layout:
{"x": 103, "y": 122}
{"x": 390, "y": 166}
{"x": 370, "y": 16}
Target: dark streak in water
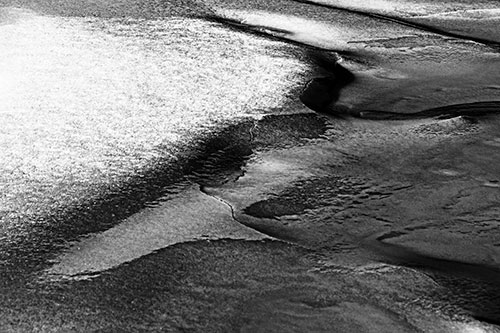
{"x": 407, "y": 23}
{"x": 261, "y": 31}
{"x": 264, "y": 31}
{"x": 406, "y": 257}
{"x": 474, "y": 287}
{"x": 320, "y": 93}
{"x": 468, "y": 110}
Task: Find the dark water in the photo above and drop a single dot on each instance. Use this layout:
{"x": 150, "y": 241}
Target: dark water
{"x": 250, "y": 166}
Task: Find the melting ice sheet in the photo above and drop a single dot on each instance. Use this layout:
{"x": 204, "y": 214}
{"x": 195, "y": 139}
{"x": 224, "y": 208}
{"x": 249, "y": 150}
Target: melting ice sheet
{"x": 88, "y": 102}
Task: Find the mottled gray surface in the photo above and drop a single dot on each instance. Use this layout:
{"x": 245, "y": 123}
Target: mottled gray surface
{"x": 253, "y": 166}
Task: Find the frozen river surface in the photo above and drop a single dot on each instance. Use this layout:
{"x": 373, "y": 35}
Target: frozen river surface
{"x": 250, "y": 166}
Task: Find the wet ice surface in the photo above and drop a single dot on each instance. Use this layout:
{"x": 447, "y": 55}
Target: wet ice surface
{"x": 409, "y": 193}
{"x": 94, "y": 109}
{"x": 399, "y": 68}
{"x": 471, "y": 19}
{"x": 141, "y": 178}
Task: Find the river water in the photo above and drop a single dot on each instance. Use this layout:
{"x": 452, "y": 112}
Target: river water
{"x": 186, "y": 165}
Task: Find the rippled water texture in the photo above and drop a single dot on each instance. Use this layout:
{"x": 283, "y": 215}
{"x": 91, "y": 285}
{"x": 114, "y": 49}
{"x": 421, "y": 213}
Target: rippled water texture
{"x": 88, "y": 104}
{"x": 252, "y": 166}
